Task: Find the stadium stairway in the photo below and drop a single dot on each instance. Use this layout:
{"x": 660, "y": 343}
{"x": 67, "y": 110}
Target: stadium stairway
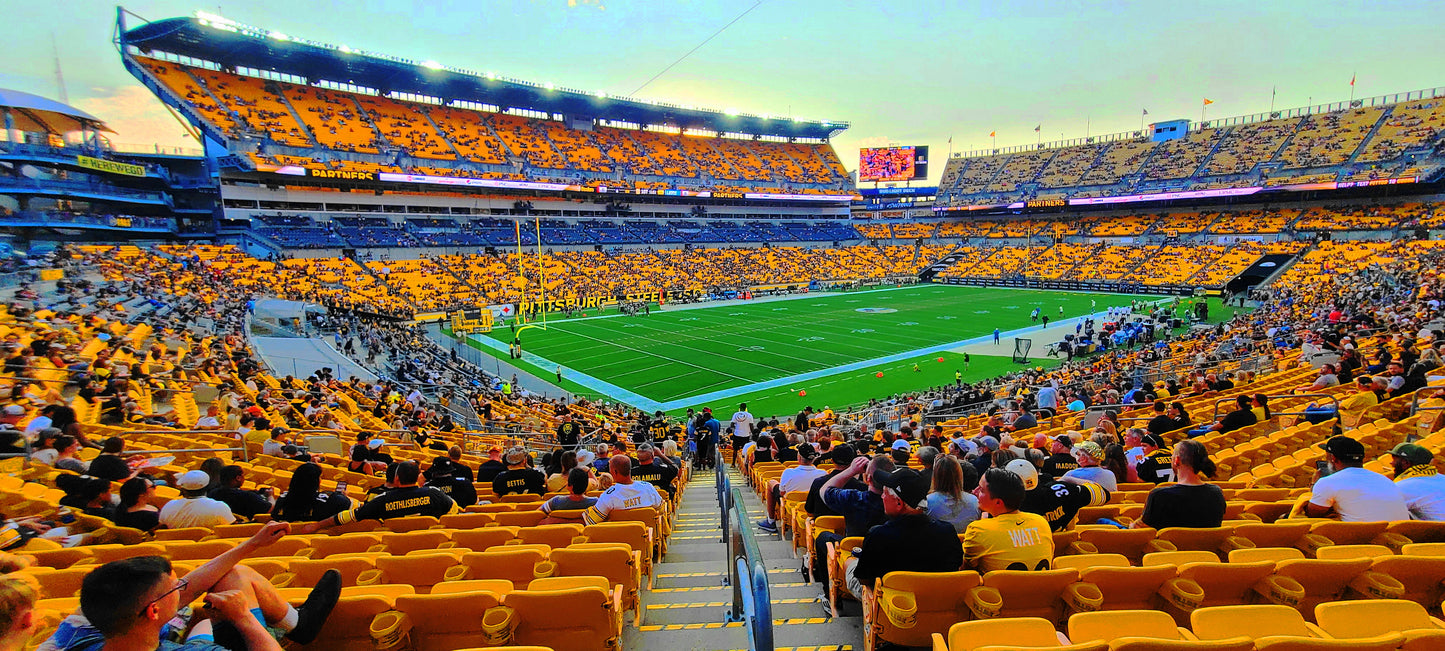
{"x": 686, "y": 609}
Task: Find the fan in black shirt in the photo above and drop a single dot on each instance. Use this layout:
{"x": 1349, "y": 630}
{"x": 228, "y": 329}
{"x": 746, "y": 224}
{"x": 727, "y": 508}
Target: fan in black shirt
{"x": 519, "y": 477}
{"x": 492, "y": 466}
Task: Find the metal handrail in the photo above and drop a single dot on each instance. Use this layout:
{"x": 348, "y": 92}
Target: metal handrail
{"x": 1274, "y": 413}
{"x": 752, "y": 600}
{"x": 245, "y": 456}
{"x": 1415, "y": 399}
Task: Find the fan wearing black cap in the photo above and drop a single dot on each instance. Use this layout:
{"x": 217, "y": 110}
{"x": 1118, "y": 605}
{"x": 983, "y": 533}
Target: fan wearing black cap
{"x": 1350, "y": 491}
{"x": 1422, "y": 486}
{"x": 1156, "y": 465}
{"x": 909, "y": 541}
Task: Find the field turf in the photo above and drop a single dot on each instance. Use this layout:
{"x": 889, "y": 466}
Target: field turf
{"x": 675, "y": 355}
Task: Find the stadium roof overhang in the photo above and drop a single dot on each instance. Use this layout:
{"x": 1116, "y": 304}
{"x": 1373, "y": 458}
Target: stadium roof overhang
{"x": 36, "y": 114}
{"x": 231, "y": 44}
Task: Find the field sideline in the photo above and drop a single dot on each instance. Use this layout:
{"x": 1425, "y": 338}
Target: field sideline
{"x": 680, "y": 357}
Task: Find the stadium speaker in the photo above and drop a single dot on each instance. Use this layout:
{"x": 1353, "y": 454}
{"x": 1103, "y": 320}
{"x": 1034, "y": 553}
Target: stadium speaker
{"x": 1021, "y": 350}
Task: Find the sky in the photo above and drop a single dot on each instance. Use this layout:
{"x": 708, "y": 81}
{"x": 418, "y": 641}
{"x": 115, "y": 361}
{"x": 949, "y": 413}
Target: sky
{"x": 917, "y": 72}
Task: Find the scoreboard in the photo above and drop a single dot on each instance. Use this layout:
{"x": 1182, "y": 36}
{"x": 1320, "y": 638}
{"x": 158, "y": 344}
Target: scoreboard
{"x": 893, "y": 164}
{"x": 467, "y": 321}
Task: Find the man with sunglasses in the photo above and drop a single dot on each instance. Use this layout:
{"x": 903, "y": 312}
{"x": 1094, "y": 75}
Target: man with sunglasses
{"x": 130, "y": 605}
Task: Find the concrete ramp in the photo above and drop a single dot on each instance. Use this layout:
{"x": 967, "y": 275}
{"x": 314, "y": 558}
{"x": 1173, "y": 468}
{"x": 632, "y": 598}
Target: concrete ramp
{"x": 302, "y": 357}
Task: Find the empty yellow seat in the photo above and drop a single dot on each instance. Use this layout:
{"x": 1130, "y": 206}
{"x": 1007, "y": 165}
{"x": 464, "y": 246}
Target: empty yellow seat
{"x": 1254, "y": 622}
{"x": 593, "y": 621}
{"x": 1374, "y": 617}
{"x": 442, "y": 622}
{"x": 1008, "y": 632}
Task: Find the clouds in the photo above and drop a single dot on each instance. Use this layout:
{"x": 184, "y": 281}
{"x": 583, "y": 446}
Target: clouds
{"x": 135, "y": 115}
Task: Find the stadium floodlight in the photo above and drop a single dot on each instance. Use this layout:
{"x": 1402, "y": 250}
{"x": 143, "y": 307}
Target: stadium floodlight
{"x": 431, "y": 65}
{"x": 601, "y": 94}
{"x": 346, "y": 49}
{"x": 730, "y": 111}
{"x": 548, "y": 85}
{"x": 491, "y": 75}
{"x": 278, "y": 36}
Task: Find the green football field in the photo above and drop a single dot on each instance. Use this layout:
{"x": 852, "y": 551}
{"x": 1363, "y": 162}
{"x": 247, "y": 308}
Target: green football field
{"x": 765, "y": 352}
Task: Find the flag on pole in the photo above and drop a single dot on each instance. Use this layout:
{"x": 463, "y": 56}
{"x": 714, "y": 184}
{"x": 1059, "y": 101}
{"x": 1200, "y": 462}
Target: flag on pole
{"x": 1038, "y": 128}
{"x": 993, "y": 134}
{"x": 950, "y": 140}
{"x": 1208, "y": 101}
{"x": 1352, "y": 79}
{"x": 1146, "y": 111}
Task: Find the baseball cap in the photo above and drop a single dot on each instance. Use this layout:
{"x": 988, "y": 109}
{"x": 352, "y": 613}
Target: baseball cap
{"x": 906, "y": 483}
{"x": 193, "y": 480}
{"x": 374, "y": 443}
{"x": 807, "y": 451}
{"x": 1417, "y": 455}
{"x": 989, "y": 442}
{"x": 1065, "y": 440}
{"x": 280, "y": 430}
{"x": 1344, "y": 448}
{"x": 966, "y": 445}
{"x": 585, "y": 458}
{"x": 14, "y": 410}
{"x": 900, "y": 444}
{"x": 1026, "y": 471}
{"x": 1089, "y": 448}
{"x": 1154, "y": 440}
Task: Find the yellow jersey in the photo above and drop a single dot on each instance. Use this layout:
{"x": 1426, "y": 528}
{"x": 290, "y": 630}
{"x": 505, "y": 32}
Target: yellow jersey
{"x": 1012, "y": 541}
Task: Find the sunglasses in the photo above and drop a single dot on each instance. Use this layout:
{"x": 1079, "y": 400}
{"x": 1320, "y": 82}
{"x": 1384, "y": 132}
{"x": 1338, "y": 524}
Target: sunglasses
{"x": 181, "y": 584}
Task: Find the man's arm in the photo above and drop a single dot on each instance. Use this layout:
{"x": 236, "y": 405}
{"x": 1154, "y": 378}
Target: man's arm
{"x": 839, "y": 480}
{"x": 232, "y": 606}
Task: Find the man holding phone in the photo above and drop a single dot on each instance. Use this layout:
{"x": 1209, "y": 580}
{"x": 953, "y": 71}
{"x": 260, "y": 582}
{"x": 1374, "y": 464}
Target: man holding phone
{"x": 1351, "y": 491}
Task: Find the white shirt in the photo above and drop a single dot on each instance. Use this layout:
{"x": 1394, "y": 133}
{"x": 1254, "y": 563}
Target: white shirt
{"x": 1134, "y": 455}
{"x": 742, "y": 424}
{"x": 799, "y": 478}
{"x": 1424, "y": 496}
{"x": 1360, "y": 495}
{"x": 636, "y": 495}
{"x": 195, "y": 512}
{"x": 208, "y": 421}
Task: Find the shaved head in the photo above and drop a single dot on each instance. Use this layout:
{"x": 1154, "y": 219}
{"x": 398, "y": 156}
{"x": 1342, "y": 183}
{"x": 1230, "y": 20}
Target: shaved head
{"x": 620, "y": 466}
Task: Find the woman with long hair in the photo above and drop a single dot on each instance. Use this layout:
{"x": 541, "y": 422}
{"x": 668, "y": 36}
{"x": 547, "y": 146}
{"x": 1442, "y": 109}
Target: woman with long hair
{"x": 1117, "y": 462}
{"x": 558, "y": 479}
{"x": 135, "y": 510}
{"x": 1190, "y": 502}
{"x": 947, "y": 499}
{"x": 304, "y": 501}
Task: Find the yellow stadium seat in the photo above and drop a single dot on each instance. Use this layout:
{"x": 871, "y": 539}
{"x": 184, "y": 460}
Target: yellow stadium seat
{"x": 1422, "y": 576}
{"x": 1336, "y": 552}
{"x": 1226, "y": 584}
{"x": 1349, "y": 533}
{"x": 348, "y": 628}
{"x": 1254, "y": 622}
{"x": 1032, "y": 594}
{"x": 1108, "y": 625}
{"x": 519, "y": 518}
{"x": 1132, "y": 643}
{"x": 1388, "y": 642}
{"x": 60, "y": 583}
{"x": 1423, "y": 549}
{"x": 442, "y": 622}
{"x": 1271, "y": 554}
{"x": 410, "y": 523}
{"x": 1131, "y": 543}
{"x": 1373, "y": 617}
{"x": 323, "y": 546}
{"x": 615, "y": 561}
{"x": 1322, "y": 580}
{"x": 402, "y": 543}
{"x": 936, "y": 598}
{"x": 479, "y": 539}
{"x": 1179, "y": 558}
{"x": 188, "y": 533}
{"x": 515, "y": 565}
{"x": 1008, "y": 632}
{"x": 466, "y": 520}
{"x": 305, "y": 573}
{"x": 1082, "y": 561}
{"x": 188, "y": 551}
{"x": 593, "y": 621}
{"x": 1129, "y": 588}
{"x": 1419, "y": 531}
{"x": 1278, "y": 534}
{"x": 552, "y": 535}
{"x": 494, "y": 586}
{"x": 102, "y": 554}
{"x": 421, "y": 571}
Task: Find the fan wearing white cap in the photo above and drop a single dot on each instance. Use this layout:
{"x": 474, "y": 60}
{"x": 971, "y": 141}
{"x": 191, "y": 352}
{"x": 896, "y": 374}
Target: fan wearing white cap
{"x": 194, "y": 509}
{"x": 1058, "y": 501}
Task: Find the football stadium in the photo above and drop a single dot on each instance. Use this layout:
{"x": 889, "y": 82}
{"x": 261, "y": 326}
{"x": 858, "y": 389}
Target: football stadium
{"x": 400, "y": 355}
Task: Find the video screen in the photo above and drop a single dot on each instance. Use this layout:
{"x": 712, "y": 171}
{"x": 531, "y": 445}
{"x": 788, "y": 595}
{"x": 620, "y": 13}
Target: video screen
{"x": 892, "y": 164}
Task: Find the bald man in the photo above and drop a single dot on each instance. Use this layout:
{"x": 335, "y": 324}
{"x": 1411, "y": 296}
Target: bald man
{"x": 624, "y": 492}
